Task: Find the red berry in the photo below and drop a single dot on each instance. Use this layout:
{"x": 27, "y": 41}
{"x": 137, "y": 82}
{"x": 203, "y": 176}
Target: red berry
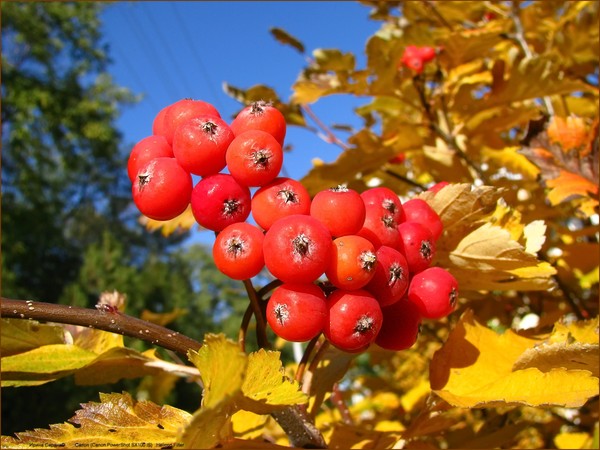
{"x": 352, "y": 262}
{"x": 183, "y": 110}
{"x": 162, "y": 189}
{"x": 340, "y": 209}
{"x": 401, "y": 325}
{"x": 297, "y": 312}
{"x": 385, "y": 199}
{"x": 218, "y": 200}
{"x": 418, "y": 210}
{"x": 238, "y": 251}
{"x": 281, "y": 197}
{"x": 417, "y": 245}
{"x": 158, "y": 124}
{"x": 354, "y": 320}
{"x": 438, "y": 186}
{"x": 426, "y": 53}
{"x": 200, "y": 145}
{"x": 260, "y": 116}
{"x": 145, "y": 150}
{"x": 380, "y": 227}
{"x": 297, "y": 249}
{"x": 434, "y": 291}
{"x": 254, "y": 158}
{"x": 390, "y": 281}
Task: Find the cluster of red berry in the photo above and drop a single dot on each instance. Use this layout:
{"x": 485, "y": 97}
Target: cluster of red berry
{"x": 353, "y": 266}
{"x": 415, "y": 57}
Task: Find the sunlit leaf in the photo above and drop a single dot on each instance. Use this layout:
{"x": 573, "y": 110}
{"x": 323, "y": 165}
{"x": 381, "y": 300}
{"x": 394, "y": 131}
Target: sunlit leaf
{"x": 567, "y": 156}
{"x": 18, "y": 336}
{"x": 115, "y": 421}
{"x": 222, "y": 366}
{"x": 163, "y": 319}
{"x": 573, "y": 440}
{"x": 115, "y": 364}
{"x": 182, "y": 222}
{"x": 474, "y": 369}
{"x": 43, "y": 364}
{"x": 248, "y": 425}
{"x": 266, "y": 387}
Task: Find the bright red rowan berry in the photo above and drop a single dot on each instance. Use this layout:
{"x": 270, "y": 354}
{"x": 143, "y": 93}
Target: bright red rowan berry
{"x": 281, "y": 197}
{"x": 183, "y": 110}
{"x": 145, "y": 150}
{"x": 254, "y": 158}
{"x": 417, "y": 245}
{"x": 162, "y": 189}
{"x": 418, "y": 210}
{"x": 340, "y": 209}
{"x": 354, "y": 320}
{"x": 297, "y": 312}
{"x": 200, "y": 145}
{"x": 352, "y": 262}
{"x": 260, "y": 116}
{"x": 238, "y": 251}
{"x": 434, "y": 291}
{"x": 297, "y": 248}
{"x": 218, "y": 200}
{"x": 390, "y": 281}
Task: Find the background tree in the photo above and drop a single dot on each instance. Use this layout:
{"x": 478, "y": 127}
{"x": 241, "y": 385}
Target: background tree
{"x": 69, "y": 231}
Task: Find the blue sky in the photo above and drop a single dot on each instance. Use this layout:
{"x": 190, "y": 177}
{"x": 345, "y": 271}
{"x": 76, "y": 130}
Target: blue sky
{"x": 172, "y": 50}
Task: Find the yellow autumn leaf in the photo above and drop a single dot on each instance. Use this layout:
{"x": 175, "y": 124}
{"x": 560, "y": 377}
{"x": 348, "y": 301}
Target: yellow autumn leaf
{"x": 43, "y": 364}
{"x": 184, "y": 221}
{"x": 583, "y": 331}
{"x": 573, "y": 440}
{"x": 265, "y": 387}
{"x": 248, "y": 425}
{"x": 18, "y": 336}
{"x": 475, "y": 368}
{"x": 117, "y": 420}
{"x": 163, "y": 319}
{"x": 222, "y": 366}
{"x": 348, "y": 436}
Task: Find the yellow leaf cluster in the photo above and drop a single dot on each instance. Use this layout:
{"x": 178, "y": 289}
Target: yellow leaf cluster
{"x": 477, "y": 367}
{"x": 234, "y": 381}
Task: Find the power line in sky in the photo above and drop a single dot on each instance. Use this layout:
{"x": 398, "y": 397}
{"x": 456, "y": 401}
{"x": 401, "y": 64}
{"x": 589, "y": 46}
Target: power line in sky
{"x": 154, "y": 59}
{"x": 189, "y": 39}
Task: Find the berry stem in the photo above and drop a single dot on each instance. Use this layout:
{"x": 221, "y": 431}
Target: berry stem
{"x": 337, "y": 398}
{"x": 261, "y": 326}
{"x": 244, "y": 327}
{"x": 307, "y": 351}
{"x": 268, "y": 288}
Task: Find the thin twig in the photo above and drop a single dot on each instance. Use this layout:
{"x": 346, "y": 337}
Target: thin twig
{"x": 113, "y": 322}
{"x": 305, "y": 356}
{"x": 244, "y": 327}
{"x": 331, "y": 137}
{"x": 520, "y": 38}
{"x": 337, "y": 398}
{"x": 261, "y": 327}
{"x": 405, "y": 180}
{"x": 268, "y": 288}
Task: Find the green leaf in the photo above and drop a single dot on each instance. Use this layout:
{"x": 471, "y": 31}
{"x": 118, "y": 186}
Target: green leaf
{"x": 18, "y": 336}
{"x": 287, "y": 39}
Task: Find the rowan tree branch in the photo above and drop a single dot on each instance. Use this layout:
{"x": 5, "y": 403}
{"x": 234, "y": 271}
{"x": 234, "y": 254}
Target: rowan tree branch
{"x": 295, "y": 422}
{"x": 113, "y": 322}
